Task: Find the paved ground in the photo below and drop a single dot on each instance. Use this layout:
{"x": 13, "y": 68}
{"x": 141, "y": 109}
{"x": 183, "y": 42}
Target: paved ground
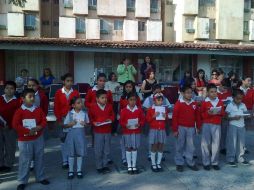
{"x": 241, "y": 178}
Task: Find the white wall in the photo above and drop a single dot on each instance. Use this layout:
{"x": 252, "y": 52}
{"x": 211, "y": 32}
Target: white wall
{"x": 67, "y": 27}
{"x": 15, "y": 24}
{"x": 203, "y": 63}
{"x": 112, "y": 8}
{"x": 83, "y": 67}
{"x": 142, "y": 8}
{"x": 80, "y": 7}
{"x": 130, "y": 29}
{"x": 32, "y": 5}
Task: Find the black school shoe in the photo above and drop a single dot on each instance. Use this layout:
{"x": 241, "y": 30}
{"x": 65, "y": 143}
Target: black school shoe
{"x": 179, "y": 168}
{"x": 135, "y": 170}
{"x": 80, "y": 175}
{"x": 65, "y": 166}
{"x": 5, "y": 169}
{"x": 110, "y": 162}
{"x": 246, "y": 163}
{"x": 207, "y": 168}
{"x": 154, "y": 168}
{"x": 100, "y": 171}
{"x": 216, "y": 167}
{"x": 232, "y": 164}
{"x": 223, "y": 151}
{"x": 106, "y": 170}
{"x": 21, "y": 187}
{"x": 70, "y": 175}
{"x": 45, "y": 182}
{"x": 193, "y": 168}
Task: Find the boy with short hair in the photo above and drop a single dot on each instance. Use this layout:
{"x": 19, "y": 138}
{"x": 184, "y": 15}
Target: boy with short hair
{"x": 236, "y": 111}
{"x": 101, "y": 116}
{"x": 212, "y": 111}
{"x": 8, "y": 106}
{"x": 29, "y": 123}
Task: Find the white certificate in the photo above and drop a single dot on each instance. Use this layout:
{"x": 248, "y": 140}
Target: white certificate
{"x": 131, "y": 123}
{"x": 98, "y": 124}
{"x": 161, "y": 110}
{"x": 78, "y": 119}
{"x": 215, "y": 110}
{"x": 29, "y": 123}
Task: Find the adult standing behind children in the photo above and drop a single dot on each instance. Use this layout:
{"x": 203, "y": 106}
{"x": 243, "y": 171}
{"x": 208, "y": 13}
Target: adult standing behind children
{"x": 146, "y": 66}
{"x": 21, "y": 81}
{"x": 148, "y": 83}
{"x": 126, "y": 71}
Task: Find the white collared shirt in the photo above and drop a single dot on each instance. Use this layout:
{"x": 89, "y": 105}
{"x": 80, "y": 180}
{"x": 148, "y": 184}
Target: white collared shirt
{"x": 31, "y": 109}
{"x": 132, "y": 110}
{"x": 101, "y": 107}
{"x": 7, "y": 101}
{"x": 76, "y": 116}
{"x": 95, "y": 88}
{"x": 213, "y": 102}
{"x": 67, "y": 94}
{"x": 245, "y": 90}
{"x": 37, "y": 101}
{"x": 235, "y": 110}
{"x": 183, "y": 101}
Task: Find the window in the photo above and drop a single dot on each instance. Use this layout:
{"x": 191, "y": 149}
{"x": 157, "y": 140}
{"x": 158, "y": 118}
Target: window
{"x": 207, "y": 2}
{"x": 189, "y": 25}
{"x": 246, "y": 28}
{"x": 67, "y": 3}
{"x": 3, "y": 21}
{"x": 56, "y": 23}
{"x": 130, "y": 5}
{"x": 154, "y": 6}
{"x": 30, "y": 22}
{"x": 141, "y": 26}
{"x": 80, "y": 25}
{"x": 252, "y": 4}
{"x": 247, "y": 6}
{"x": 118, "y": 25}
{"x": 92, "y": 4}
{"x": 104, "y": 27}
{"x": 169, "y": 24}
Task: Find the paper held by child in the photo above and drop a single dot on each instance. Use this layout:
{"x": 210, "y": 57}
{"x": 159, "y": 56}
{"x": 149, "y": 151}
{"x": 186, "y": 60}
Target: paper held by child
{"x": 29, "y": 123}
{"x": 98, "y": 124}
{"x": 132, "y": 123}
{"x": 161, "y": 110}
{"x": 215, "y": 110}
{"x": 78, "y": 120}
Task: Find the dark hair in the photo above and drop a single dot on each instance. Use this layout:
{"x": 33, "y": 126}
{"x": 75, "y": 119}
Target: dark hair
{"x": 220, "y": 71}
{"x": 124, "y": 95}
{"x": 210, "y": 86}
{"x": 131, "y": 95}
{"x": 215, "y": 71}
{"x": 27, "y": 91}
{"x": 111, "y": 75}
{"x": 47, "y": 69}
{"x": 124, "y": 59}
{"x": 100, "y": 92}
{"x": 148, "y": 73}
{"x": 232, "y": 73}
{"x": 24, "y": 70}
{"x": 245, "y": 77}
{"x": 74, "y": 99}
{"x": 155, "y": 87}
{"x": 10, "y": 83}
{"x": 198, "y": 72}
{"x": 237, "y": 92}
{"x": 101, "y": 75}
{"x": 33, "y": 80}
{"x": 226, "y": 83}
{"x": 185, "y": 88}
{"x": 67, "y": 75}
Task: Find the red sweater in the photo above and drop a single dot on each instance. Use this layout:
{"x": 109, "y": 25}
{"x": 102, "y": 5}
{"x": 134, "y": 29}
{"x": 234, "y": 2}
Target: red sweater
{"x": 186, "y": 115}
{"x": 91, "y": 98}
{"x": 8, "y": 109}
{"x": 224, "y": 95}
{"x": 21, "y": 114}
{"x": 211, "y": 119}
{"x": 127, "y": 114}
{"x": 62, "y": 104}
{"x": 248, "y": 99}
{"x": 124, "y": 102}
{"x": 153, "y": 123}
{"x": 44, "y": 102}
{"x": 96, "y": 114}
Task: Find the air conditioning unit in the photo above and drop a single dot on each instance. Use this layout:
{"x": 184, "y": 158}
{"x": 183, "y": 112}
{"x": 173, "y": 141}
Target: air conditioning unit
{"x": 190, "y": 30}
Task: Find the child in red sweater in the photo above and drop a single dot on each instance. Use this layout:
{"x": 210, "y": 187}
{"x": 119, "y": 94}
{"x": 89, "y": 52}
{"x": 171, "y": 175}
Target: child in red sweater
{"x": 91, "y": 94}
{"x": 156, "y": 117}
{"x": 225, "y": 95}
{"x": 8, "y": 106}
{"x": 185, "y": 123}
{"x": 131, "y": 121}
{"x": 29, "y": 123}
{"x": 212, "y": 111}
{"x": 62, "y": 106}
{"x": 128, "y": 87}
{"x": 101, "y": 117}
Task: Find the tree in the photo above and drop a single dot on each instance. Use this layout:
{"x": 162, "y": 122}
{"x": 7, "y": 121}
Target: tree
{"x": 20, "y": 3}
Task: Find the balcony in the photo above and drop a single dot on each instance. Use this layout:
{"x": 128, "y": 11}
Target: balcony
{"x": 15, "y": 24}
{"x": 142, "y": 9}
{"x": 112, "y": 8}
{"x": 80, "y": 7}
{"x": 130, "y": 30}
{"x": 67, "y": 32}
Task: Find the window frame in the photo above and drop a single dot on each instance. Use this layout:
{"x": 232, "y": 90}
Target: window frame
{"x": 141, "y": 26}
{"x": 79, "y": 25}
{"x": 118, "y": 24}
{"x": 92, "y": 4}
{"x": 31, "y": 25}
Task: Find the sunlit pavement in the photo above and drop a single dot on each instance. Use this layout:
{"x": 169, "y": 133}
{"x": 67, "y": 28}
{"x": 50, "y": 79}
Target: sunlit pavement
{"x": 240, "y": 178}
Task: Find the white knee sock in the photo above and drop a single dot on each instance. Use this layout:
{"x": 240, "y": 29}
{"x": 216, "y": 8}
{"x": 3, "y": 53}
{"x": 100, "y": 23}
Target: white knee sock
{"x": 159, "y": 157}
{"x": 128, "y": 158}
{"x": 71, "y": 164}
{"x": 153, "y": 158}
{"x": 79, "y": 163}
{"x": 32, "y": 164}
{"x": 134, "y": 158}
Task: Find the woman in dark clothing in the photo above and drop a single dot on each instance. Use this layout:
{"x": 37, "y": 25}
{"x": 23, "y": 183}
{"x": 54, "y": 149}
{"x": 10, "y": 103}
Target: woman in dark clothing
{"x": 148, "y": 84}
{"x": 146, "y": 66}
{"x": 187, "y": 79}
